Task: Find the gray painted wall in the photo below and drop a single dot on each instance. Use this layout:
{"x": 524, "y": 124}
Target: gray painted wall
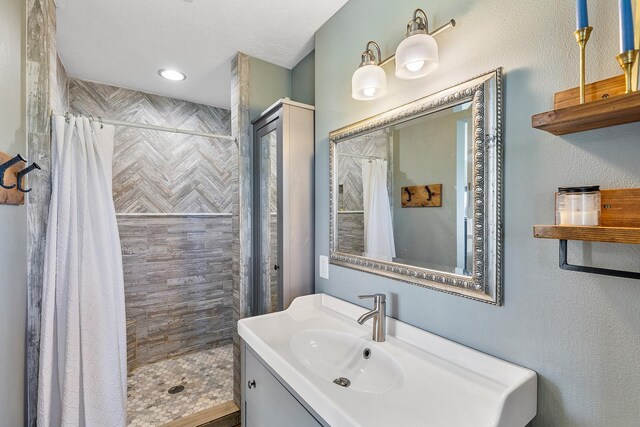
{"x": 425, "y": 153}
{"x": 580, "y": 332}
{"x": 13, "y": 219}
{"x": 267, "y": 83}
{"x": 303, "y": 80}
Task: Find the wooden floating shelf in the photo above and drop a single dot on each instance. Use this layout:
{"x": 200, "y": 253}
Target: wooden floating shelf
{"x": 607, "y": 105}
{"x": 629, "y": 235}
{"x": 593, "y": 115}
{"x": 620, "y": 223}
{"x": 619, "y": 219}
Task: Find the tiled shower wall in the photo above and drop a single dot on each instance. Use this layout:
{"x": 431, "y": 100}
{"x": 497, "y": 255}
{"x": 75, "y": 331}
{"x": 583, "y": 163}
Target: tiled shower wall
{"x": 46, "y": 82}
{"x": 178, "y": 267}
{"x": 351, "y": 232}
{"x": 242, "y": 205}
{"x": 178, "y": 285}
{"x": 350, "y": 216}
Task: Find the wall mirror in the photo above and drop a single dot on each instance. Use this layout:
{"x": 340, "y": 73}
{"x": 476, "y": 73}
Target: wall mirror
{"x": 415, "y": 192}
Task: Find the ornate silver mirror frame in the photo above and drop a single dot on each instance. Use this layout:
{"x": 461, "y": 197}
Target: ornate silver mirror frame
{"x": 485, "y": 282}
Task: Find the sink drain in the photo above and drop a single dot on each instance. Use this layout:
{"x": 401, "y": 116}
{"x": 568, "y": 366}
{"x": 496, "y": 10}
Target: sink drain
{"x": 342, "y": 382}
{"x": 176, "y": 389}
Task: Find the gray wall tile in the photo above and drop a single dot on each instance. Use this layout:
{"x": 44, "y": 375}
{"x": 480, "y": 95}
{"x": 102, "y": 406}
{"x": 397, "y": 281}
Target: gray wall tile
{"x": 46, "y": 90}
{"x": 161, "y": 172}
{"x": 178, "y": 292}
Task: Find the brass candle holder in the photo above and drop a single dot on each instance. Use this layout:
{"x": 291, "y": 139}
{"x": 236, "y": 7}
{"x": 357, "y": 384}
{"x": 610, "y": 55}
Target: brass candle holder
{"x": 627, "y": 60}
{"x": 582, "y": 37}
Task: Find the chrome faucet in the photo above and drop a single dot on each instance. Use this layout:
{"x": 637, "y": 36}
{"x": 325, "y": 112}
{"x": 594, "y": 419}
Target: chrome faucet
{"x": 379, "y": 315}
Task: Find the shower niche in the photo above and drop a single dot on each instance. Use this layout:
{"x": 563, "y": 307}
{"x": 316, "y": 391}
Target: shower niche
{"x": 283, "y": 220}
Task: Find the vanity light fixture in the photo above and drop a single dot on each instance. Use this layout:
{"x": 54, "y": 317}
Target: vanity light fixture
{"x": 416, "y": 56}
{"x": 369, "y": 81}
{"x": 172, "y": 75}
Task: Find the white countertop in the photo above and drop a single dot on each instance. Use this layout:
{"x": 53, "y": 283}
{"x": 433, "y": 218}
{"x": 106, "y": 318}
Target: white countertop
{"x": 443, "y": 383}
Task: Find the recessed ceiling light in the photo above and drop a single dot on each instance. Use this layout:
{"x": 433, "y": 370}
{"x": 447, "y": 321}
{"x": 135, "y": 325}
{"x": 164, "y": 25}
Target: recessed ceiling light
{"x": 173, "y": 75}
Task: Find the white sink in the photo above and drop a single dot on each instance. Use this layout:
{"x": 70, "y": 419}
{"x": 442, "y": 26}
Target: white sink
{"x": 414, "y": 378}
{"x": 332, "y": 355}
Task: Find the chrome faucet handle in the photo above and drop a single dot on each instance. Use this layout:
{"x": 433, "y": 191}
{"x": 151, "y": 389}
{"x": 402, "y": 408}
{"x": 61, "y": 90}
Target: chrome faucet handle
{"x": 376, "y": 297}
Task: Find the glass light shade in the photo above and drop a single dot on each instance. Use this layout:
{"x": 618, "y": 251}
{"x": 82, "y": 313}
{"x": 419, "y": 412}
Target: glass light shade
{"x": 368, "y": 82}
{"x": 416, "y": 56}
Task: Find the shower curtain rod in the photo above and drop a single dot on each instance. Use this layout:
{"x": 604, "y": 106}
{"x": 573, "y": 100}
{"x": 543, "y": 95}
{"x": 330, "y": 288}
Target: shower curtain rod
{"x": 358, "y": 156}
{"x": 151, "y": 127}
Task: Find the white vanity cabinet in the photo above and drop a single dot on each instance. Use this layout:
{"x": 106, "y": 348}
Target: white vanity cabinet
{"x": 266, "y": 401}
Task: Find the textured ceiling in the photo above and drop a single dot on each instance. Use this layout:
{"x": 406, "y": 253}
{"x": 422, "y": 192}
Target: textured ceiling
{"x": 125, "y": 42}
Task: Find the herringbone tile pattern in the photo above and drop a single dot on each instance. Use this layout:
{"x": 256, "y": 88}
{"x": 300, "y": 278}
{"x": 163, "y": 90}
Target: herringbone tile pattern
{"x": 160, "y": 172}
{"x": 350, "y": 168}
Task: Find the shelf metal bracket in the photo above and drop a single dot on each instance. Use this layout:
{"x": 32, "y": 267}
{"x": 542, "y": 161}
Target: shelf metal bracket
{"x": 593, "y": 270}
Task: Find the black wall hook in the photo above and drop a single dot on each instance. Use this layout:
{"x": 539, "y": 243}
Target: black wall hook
{"x": 7, "y": 165}
{"x": 429, "y": 193}
{"x": 22, "y": 173}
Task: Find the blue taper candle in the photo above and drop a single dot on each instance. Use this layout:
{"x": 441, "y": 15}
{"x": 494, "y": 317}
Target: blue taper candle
{"x": 626, "y": 26}
{"x": 582, "y": 18}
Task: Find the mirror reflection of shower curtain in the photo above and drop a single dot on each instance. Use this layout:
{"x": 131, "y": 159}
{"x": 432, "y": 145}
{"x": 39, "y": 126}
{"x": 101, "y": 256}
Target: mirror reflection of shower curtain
{"x": 83, "y": 351}
{"x": 378, "y": 226}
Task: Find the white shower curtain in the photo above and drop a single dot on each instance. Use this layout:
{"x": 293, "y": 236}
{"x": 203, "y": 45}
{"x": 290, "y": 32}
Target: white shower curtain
{"x": 378, "y": 226}
{"x": 83, "y": 368}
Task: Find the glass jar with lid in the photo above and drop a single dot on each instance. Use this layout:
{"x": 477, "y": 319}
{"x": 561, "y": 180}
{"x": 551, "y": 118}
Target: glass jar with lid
{"x": 578, "y": 206}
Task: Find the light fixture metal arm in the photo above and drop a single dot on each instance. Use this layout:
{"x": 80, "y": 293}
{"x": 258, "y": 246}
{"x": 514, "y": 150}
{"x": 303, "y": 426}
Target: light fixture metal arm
{"x": 450, "y": 24}
{"x": 418, "y": 23}
{"x": 446, "y": 26}
{"x": 368, "y": 56}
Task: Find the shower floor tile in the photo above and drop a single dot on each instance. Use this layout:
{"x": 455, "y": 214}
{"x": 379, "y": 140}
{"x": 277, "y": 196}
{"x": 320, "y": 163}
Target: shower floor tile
{"x": 207, "y": 378}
